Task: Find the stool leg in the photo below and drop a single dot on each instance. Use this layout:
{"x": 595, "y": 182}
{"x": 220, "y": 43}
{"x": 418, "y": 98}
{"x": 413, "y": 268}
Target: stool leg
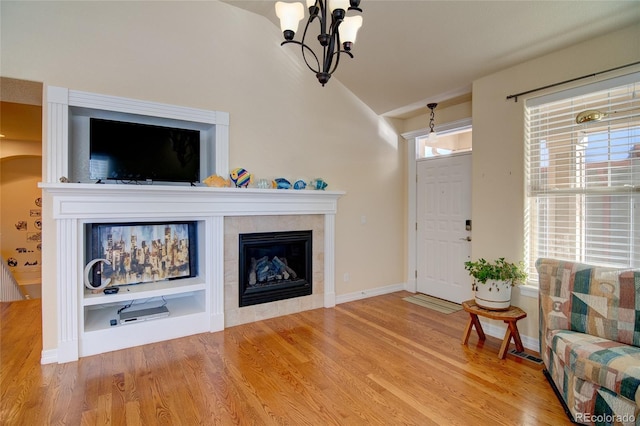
{"x": 476, "y": 323}
{"x": 467, "y": 332}
{"x": 516, "y": 336}
{"x": 505, "y": 344}
{"x": 473, "y": 321}
{"x": 512, "y": 331}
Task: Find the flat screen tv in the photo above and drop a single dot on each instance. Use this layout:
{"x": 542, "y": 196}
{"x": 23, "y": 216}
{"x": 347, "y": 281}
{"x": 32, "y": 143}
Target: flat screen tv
{"x": 143, "y": 252}
{"x": 133, "y": 152}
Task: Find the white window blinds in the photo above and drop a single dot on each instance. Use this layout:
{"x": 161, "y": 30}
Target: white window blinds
{"x": 583, "y": 180}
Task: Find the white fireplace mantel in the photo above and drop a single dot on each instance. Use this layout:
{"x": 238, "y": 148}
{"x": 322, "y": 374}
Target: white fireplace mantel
{"x": 96, "y": 201}
{"x": 76, "y": 204}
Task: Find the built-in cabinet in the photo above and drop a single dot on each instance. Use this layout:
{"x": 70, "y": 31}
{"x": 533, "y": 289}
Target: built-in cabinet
{"x": 187, "y": 300}
{"x": 196, "y": 304}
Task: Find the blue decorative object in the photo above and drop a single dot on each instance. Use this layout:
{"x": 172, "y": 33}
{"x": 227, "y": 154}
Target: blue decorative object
{"x": 281, "y": 183}
{"x": 299, "y": 184}
{"x": 319, "y": 183}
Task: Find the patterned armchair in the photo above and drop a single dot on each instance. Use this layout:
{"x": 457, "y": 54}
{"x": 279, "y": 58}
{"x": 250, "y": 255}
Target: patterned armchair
{"x": 590, "y": 339}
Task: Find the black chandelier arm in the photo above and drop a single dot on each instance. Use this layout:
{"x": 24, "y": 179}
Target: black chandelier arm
{"x": 334, "y": 38}
{"x": 337, "y": 57}
{"x": 304, "y": 56}
{"x": 313, "y": 11}
{"x": 328, "y": 61}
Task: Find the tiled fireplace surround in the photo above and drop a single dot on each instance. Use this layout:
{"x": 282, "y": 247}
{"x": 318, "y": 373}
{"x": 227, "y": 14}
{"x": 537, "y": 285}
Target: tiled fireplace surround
{"x": 236, "y": 225}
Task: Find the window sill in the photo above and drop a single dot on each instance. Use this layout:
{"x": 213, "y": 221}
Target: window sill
{"x": 529, "y": 290}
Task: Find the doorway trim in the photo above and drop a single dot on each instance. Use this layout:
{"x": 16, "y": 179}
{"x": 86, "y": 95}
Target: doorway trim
{"x": 412, "y": 178}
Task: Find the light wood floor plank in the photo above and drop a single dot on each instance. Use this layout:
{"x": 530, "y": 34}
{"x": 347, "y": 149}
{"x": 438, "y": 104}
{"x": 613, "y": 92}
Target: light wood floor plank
{"x": 377, "y": 361}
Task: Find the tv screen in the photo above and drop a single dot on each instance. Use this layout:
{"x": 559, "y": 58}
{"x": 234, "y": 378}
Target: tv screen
{"x": 141, "y": 152}
{"x": 143, "y": 252}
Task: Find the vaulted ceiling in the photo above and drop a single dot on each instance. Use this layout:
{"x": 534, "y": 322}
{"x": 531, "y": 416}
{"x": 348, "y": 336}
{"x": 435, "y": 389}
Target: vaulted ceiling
{"x": 410, "y": 53}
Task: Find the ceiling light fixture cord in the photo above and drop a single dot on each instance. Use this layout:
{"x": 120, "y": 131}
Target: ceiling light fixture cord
{"x": 333, "y": 43}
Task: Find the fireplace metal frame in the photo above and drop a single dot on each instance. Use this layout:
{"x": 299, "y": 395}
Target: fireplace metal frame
{"x": 253, "y": 295}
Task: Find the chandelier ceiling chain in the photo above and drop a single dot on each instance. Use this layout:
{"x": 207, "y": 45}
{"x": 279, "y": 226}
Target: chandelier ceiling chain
{"x": 337, "y": 32}
{"x": 432, "y": 117}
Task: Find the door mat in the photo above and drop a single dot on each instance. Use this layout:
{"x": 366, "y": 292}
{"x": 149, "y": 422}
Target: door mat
{"x": 433, "y": 303}
{"x": 526, "y": 356}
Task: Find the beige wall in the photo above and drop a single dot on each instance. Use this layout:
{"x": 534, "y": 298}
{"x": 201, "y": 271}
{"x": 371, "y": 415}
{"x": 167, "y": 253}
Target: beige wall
{"x": 211, "y": 55}
{"x": 498, "y": 143}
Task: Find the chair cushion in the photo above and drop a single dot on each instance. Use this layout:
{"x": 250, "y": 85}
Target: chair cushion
{"x": 600, "y": 301}
{"x": 610, "y": 365}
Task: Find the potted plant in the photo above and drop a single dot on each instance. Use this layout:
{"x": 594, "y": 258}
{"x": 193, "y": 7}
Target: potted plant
{"x": 492, "y": 281}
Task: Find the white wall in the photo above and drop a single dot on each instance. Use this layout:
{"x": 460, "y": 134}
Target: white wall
{"x": 211, "y": 55}
{"x": 498, "y": 143}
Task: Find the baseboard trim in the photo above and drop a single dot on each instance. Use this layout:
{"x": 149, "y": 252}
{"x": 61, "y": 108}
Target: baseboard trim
{"x": 499, "y": 332}
{"x": 371, "y": 292}
{"x": 49, "y": 356}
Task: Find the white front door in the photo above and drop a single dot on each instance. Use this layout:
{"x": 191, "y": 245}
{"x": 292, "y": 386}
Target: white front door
{"x": 443, "y": 214}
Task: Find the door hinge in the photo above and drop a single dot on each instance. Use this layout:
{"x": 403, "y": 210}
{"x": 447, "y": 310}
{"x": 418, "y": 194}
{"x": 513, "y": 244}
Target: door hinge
{"x": 416, "y": 273}
{"x": 416, "y": 226}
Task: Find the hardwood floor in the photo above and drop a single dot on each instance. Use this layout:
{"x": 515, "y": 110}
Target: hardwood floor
{"x": 378, "y": 361}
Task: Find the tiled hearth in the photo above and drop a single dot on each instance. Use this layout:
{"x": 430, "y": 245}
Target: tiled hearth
{"x": 235, "y": 225}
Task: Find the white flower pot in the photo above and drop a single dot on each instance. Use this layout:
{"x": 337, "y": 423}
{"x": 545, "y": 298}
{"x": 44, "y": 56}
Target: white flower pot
{"x": 493, "y": 295}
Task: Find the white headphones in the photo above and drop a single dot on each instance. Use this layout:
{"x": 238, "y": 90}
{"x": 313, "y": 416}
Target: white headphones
{"x": 87, "y": 270}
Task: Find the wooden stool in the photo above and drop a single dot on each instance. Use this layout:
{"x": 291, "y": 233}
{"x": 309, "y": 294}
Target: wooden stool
{"x": 509, "y": 316}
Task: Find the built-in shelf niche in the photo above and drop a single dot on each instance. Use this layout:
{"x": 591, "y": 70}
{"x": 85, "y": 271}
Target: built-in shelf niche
{"x": 187, "y": 299}
{"x": 69, "y": 112}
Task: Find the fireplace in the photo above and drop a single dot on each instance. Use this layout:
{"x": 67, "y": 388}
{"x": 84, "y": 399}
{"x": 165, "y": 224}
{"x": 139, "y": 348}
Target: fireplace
{"x": 274, "y": 266}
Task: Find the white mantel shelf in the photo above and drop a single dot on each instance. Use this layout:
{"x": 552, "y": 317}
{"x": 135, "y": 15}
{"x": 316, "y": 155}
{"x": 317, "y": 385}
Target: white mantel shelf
{"x": 75, "y": 205}
{"x": 81, "y": 201}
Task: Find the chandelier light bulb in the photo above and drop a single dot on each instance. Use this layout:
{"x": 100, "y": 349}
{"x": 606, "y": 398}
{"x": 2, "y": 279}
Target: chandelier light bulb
{"x": 290, "y": 15}
{"x": 349, "y": 29}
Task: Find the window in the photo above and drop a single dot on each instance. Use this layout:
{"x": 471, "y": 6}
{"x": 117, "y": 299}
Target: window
{"x": 583, "y": 180}
{"x": 448, "y": 142}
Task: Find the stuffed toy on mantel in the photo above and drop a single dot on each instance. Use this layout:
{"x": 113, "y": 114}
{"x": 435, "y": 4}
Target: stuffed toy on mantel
{"x": 216, "y": 181}
{"x": 240, "y": 177}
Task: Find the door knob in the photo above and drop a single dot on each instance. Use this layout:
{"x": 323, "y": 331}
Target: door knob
{"x": 466, "y": 239}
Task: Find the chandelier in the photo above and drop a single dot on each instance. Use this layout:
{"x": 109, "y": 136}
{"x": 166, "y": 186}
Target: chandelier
{"x": 337, "y": 31}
